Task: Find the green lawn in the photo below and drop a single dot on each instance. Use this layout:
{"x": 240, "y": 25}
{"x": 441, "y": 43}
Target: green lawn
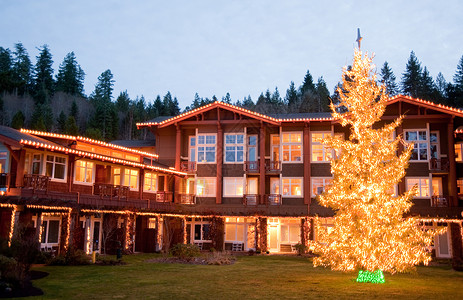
{"x": 251, "y": 277}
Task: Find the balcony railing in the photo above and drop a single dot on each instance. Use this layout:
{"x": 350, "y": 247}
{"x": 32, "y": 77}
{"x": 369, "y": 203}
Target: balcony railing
{"x": 188, "y": 166}
{"x": 36, "y": 182}
{"x": 250, "y": 199}
{"x": 4, "y": 180}
{"x": 251, "y": 166}
{"x": 110, "y": 190}
{"x": 440, "y": 201}
{"x": 439, "y": 165}
{"x": 273, "y": 166}
{"x": 187, "y": 199}
{"x": 164, "y": 196}
{"x": 273, "y": 199}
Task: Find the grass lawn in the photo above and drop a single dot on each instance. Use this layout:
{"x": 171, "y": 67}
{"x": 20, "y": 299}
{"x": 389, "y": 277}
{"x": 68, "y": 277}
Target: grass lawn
{"x": 251, "y": 277}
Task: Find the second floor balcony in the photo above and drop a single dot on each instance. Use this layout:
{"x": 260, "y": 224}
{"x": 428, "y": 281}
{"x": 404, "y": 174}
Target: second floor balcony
{"x": 188, "y": 166}
{"x": 268, "y": 199}
{"x": 440, "y": 201}
{"x": 441, "y": 165}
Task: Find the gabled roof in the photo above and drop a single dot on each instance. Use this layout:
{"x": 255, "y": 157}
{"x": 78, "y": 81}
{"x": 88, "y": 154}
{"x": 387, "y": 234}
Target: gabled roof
{"x": 277, "y": 119}
{"x": 13, "y": 137}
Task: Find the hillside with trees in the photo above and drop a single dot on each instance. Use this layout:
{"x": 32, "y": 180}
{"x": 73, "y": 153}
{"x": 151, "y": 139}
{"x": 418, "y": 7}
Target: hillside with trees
{"x": 33, "y": 96}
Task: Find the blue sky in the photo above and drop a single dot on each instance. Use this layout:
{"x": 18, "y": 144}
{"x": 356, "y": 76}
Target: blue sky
{"x": 240, "y": 47}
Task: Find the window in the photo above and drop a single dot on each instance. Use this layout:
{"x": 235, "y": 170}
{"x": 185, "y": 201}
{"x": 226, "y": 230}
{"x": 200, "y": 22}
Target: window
{"x": 3, "y": 159}
{"x": 290, "y": 233}
{"x": 292, "y": 147}
{"x": 421, "y": 183}
{"x": 320, "y": 152}
{"x": 50, "y": 231}
{"x": 192, "y": 147}
{"x": 205, "y": 187}
{"x": 318, "y": 185}
{"x": 235, "y": 230}
{"x": 460, "y": 187}
{"x": 206, "y": 148}
{"x": 55, "y": 167}
{"x": 233, "y": 186}
{"x": 36, "y": 164}
{"x": 150, "y": 182}
{"x": 275, "y": 147}
{"x": 274, "y": 185}
{"x": 131, "y": 178}
{"x": 292, "y": 187}
{"x": 252, "y": 148}
{"x": 201, "y": 229}
{"x": 234, "y": 147}
{"x": 434, "y": 144}
{"x": 84, "y": 171}
{"x": 458, "y": 152}
{"x": 117, "y": 176}
{"x": 419, "y": 138}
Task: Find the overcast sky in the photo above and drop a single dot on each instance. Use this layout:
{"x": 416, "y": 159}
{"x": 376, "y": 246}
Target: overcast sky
{"x": 241, "y": 47}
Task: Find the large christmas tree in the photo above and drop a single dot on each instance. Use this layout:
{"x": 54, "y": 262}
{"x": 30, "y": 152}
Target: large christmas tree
{"x": 370, "y": 231}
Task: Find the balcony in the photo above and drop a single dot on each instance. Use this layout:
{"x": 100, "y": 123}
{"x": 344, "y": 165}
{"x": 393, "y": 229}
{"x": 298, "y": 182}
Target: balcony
{"x": 250, "y": 199}
{"x": 188, "y": 166}
{"x": 439, "y": 165}
{"x": 251, "y": 167}
{"x": 273, "y": 199}
{"x": 4, "y": 180}
{"x": 188, "y": 199}
{"x": 110, "y": 190}
{"x": 440, "y": 201}
{"x": 36, "y": 182}
{"x": 164, "y": 197}
{"x": 273, "y": 166}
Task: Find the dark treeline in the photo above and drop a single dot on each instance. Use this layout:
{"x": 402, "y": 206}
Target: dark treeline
{"x": 32, "y": 96}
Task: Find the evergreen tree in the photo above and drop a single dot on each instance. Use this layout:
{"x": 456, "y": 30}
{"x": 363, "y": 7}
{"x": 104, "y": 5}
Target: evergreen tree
{"x": 227, "y": 99}
{"x": 158, "y": 107}
{"x": 323, "y": 95}
{"x": 44, "y": 85}
{"x": 248, "y": 103}
{"x": 307, "y": 84}
{"x": 18, "y": 120}
{"x": 458, "y": 84}
{"x": 61, "y": 122}
{"x": 71, "y": 127}
{"x": 441, "y": 89}
{"x": 370, "y": 232}
{"x": 22, "y": 69}
{"x": 427, "y": 89}
{"x": 123, "y": 101}
{"x": 70, "y": 78}
{"x": 411, "y": 79}
{"x": 105, "y": 118}
{"x": 6, "y": 70}
{"x": 291, "y": 95}
{"x": 388, "y": 78}
{"x": 74, "y": 112}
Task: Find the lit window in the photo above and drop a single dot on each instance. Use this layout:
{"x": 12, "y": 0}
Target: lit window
{"x": 235, "y": 230}
{"x": 117, "y": 176}
{"x": 458, "y": 152}
{"x": 55, "y": 167}
{"x": 201, "y": 229}
{"x": 292, "y": 187}
{"x": 192, "y": 147}
{"x": 275, "y": 147}
{"x": 319, "y": 184}
{"x": 290, "y": 233}
{"x": 206, "y": 148}
{"x": 233, "y": 187}
{"x": 50, "y": 231}
{"x": 292, "y": 147}
{"x": 205, "y": 187}
{"x": 420, "y": 149}
{"x": 150, "y": 182}
{"x": 421, "y": 183}
{"x": 84, "y": 171}
{"x": 320, "y": 152}
{"x": 131, "y": 178}
{"x": 234, "y": 147}
{"x": 3, "y": 158}
{"x": 460, "y": 187}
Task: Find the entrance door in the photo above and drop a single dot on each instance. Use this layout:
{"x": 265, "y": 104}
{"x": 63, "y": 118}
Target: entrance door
{"x": 443, "y": 245}
{"x": 273, "y": 229}
{"x": 436, "y": 186}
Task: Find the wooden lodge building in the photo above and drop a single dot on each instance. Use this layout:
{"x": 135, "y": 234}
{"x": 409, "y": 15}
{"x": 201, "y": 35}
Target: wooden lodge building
{"x": 219, "y": 176}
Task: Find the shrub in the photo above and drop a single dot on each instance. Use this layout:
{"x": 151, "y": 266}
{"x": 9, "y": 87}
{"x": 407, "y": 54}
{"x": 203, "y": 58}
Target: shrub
{"x": 72, "y": 257}
{"x": 185, "y": 251}
{"x": 106, "y": 260}
{"x": 301, "y": 248}
{"x": 219, "y": 258}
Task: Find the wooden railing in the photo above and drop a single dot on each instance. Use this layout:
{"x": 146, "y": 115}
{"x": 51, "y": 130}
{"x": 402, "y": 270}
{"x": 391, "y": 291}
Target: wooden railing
{"x": 273, "y": 199}
{"x": 36, "y": 182}
{"x": 188, "y": 166}
{"x": 440, "y": 201}
{"x": 110, "y": 190}
{"x": 251, "y": 166}
{"x": 4, "y": 180}
{"x": 164, "y": 196}
{"x": 187, "y": 199}
{"x": 439, "y": 165}
{"x": 250, "y": 199}
{"x": 273, "y": 166}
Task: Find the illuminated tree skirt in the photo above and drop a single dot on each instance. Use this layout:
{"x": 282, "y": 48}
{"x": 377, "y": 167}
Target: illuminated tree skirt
{"x": 372, "y": 277}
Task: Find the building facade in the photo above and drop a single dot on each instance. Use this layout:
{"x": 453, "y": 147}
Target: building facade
{"x": 221, "y": 177}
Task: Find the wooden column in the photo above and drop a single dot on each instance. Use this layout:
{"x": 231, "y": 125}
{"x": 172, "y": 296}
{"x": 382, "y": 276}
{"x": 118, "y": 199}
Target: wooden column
{"x": 178, "y": 152}
{"x": 140, "y": 184}
{"x": 262, "y": 164}
{"x": 219, "y": 160}
{"x": 306, "y": 160}
{"x": 400, "y": 131}
{"x": 453, "y": 168}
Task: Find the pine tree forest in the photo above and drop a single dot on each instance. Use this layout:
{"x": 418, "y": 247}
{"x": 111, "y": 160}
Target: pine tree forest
{"x": 34, "y": 95}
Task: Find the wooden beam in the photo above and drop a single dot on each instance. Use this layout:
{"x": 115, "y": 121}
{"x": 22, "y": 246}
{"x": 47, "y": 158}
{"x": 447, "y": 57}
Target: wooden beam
{"x": 306, "y": 160}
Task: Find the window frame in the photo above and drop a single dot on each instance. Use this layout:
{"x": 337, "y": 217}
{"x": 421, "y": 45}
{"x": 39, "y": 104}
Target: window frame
{"x": 325, "y": 149}
{"x": 290, "y": 144}
{"x": 324, "y": 184}
{"x": 154, "y": 178}
{"x": 417, "y": 143}
{"x": 136, "y": 188}
{"x": 54, "y": 163}
{"x": 290, "y": 187}
{"x": 235, "y": 145}
{"x": 213, "y": 193}
{"x": 47, "y": 230}
{"x": 235, "y": 181}
{"x": 205, "y": 145}
{"x": 85, "y": 169}
{"x": 419, "y": 195}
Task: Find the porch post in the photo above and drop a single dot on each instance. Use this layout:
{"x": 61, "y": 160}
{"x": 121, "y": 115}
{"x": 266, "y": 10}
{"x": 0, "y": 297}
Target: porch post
{"x": 219, "y": 160}
{"x": 453, "y": 169}
{"x": 178, "y": 152}
{"x": 306, "y": 160}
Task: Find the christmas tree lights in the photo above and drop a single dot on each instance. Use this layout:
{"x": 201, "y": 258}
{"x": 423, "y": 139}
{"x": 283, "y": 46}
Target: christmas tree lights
{"x": 370, "y": 232}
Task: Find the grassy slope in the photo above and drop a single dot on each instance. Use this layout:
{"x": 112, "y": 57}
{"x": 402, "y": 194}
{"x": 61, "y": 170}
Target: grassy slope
{"x": 256, "y": 277}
